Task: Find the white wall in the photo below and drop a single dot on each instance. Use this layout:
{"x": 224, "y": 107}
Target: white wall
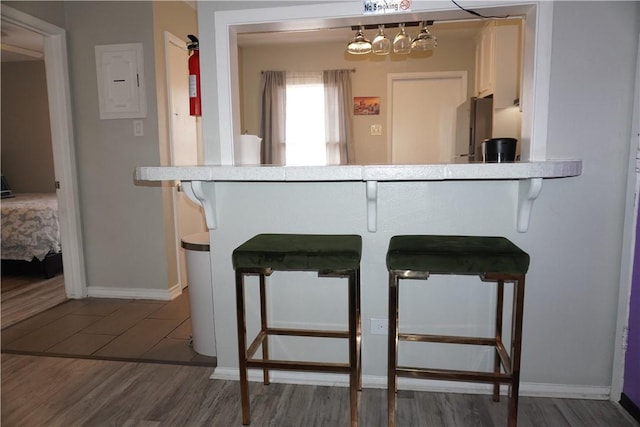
{"x": 574, "y": 239}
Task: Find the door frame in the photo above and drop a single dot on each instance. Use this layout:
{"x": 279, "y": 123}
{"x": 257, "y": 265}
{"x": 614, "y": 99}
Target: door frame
{"x": 171, "y": 39}
{"x": 628, "y": 244}
{"x": 64, "y": 160}
{"x": 426, "y": 75}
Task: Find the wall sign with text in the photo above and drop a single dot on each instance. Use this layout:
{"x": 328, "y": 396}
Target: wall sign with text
{"x": 379, "y": 7}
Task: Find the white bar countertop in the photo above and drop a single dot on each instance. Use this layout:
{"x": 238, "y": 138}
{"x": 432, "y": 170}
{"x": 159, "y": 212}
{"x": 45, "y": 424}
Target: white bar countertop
{"x": 429, "y": 172}
{"x": 529, "y": 174}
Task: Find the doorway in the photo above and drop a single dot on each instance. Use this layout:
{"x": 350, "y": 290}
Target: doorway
{"x": 424, "y": 134}
{"x": 183, "y": 145}
{"x": 59, "y": 100}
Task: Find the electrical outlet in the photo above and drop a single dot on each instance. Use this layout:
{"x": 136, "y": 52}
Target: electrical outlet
{"x": 379, "y": 326}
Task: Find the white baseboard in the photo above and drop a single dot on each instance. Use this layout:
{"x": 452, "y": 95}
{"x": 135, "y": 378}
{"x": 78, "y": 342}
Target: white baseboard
{"x": 371, "y": 381}
{"x": 135, "y": 293}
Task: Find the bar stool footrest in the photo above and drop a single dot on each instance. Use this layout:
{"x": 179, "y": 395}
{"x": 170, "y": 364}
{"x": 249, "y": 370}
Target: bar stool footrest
{"x": 299, "y": 366}
{"x": 319, "y": 333}
{"x": 447, "y": 339}
{"x": 453, "y": 375}
{"x": 316, "y": 333}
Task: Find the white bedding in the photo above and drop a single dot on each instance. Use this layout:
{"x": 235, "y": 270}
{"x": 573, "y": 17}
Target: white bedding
{"x": 30, "y": 226}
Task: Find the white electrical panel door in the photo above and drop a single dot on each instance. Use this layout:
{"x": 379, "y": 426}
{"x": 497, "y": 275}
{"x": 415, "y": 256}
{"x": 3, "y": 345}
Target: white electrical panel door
{"x": 121, "y": 81}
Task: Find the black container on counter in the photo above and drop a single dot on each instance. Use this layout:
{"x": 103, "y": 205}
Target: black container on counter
{"x": 500, "y": 150}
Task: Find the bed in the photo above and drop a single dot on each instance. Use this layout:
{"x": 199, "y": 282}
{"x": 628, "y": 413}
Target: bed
{"x": 31, "y": 230}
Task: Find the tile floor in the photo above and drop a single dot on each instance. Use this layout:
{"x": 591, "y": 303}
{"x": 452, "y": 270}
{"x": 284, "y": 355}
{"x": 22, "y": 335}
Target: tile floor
{"x": 111, "y": 329}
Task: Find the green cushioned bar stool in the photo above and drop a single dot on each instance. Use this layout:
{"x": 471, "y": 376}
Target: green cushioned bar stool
{"x": 329, "y": 256}
{"x": 494, "y": 259}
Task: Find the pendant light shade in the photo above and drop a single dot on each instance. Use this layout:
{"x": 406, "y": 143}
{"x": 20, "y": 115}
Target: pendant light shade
{"x": 424, "y": 40}
{"x": 359, "y": 45}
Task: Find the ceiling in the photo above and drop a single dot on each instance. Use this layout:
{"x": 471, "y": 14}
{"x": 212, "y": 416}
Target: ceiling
{"x": 19, "y": 44}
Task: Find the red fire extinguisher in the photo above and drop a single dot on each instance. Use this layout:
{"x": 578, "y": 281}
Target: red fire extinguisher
{"x": 195, "y": 107}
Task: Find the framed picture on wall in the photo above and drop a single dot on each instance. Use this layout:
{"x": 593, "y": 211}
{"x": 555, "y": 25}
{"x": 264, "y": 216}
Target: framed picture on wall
{"x": 366, "y": 105}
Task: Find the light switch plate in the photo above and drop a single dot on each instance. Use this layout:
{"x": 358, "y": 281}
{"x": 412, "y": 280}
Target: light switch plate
{"x": 376, "y": 129}
{"x": 138, "y": 128}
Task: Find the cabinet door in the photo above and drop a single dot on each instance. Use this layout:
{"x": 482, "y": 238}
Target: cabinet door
{"x": 506, "y": 83}
{"x": 485, "y": 64}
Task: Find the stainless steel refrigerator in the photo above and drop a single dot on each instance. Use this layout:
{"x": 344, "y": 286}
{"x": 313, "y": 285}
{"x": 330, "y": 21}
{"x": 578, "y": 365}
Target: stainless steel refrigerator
{"x": 474, "y": 124}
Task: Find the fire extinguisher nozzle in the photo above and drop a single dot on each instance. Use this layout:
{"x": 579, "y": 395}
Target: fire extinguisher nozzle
{"x": 194, "y": 44}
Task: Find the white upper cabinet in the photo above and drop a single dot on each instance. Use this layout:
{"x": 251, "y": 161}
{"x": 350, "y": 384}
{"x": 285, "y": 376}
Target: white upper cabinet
{"x": 498, "y": 59}
{"x": 485, "y": 63}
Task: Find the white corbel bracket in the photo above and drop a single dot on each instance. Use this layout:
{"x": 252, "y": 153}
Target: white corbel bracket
{"x": 372, "y": 206}
{"x": 193, "y": 190}
{"x": 528, "y": 192}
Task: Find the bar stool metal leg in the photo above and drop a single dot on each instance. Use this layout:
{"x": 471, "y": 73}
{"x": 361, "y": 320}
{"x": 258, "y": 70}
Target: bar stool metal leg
{"x": 498, "y": 334}
{"x": 516, "y": 348}
{"x": 354, "y": 355}
{"x": 263, "y": 326}
{"x": 359, "y": 331}
{"x": 392, "y": 385}
{"x": 242, "y": 348}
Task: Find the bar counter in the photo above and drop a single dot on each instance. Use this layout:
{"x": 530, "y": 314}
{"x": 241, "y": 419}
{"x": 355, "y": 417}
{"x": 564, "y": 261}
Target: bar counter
{"x": 530, "y": 176}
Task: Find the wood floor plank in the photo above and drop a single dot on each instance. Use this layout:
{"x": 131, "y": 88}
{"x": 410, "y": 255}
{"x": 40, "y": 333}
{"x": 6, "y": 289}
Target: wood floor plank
{"x": 38, "y": 391}
{"x": 28, "y": 295}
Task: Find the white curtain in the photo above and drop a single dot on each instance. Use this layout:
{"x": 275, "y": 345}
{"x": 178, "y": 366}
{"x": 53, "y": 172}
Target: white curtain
{"x": 338, "y": 106}
{"x": 273, "y": 117}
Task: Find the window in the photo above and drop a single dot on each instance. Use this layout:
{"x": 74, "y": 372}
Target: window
{"x": 305, "y": 120}
{"x": 306, "y": 117}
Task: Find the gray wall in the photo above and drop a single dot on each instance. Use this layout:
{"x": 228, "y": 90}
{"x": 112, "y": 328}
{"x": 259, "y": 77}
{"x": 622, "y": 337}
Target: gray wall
{"x": 50, "y": 11}
{"x": 27, "y": 157}
{"x": 122, "y": 224}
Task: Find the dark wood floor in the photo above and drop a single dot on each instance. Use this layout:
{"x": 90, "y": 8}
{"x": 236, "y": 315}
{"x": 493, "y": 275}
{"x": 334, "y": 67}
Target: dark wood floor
{"x": 39, "y": 391}
{"x": 26, "y": 293}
